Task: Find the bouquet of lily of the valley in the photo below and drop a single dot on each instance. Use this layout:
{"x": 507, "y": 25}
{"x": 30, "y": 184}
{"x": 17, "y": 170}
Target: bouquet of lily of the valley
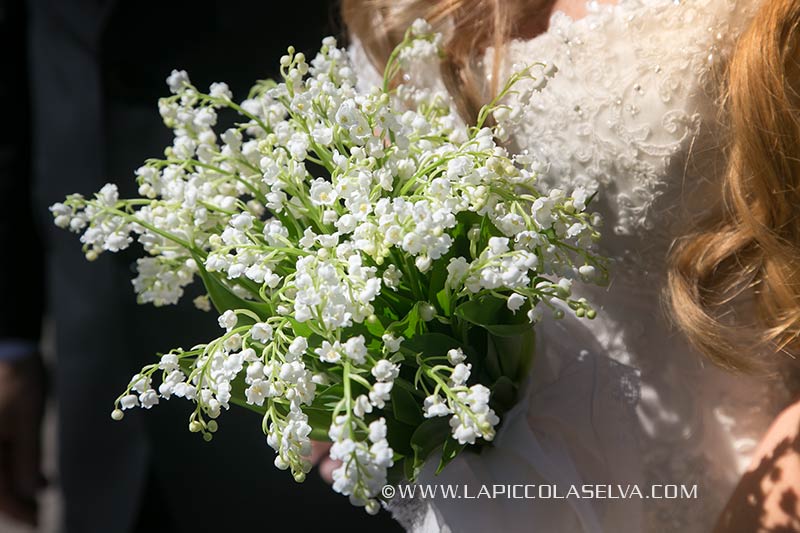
{"x": 376, "y": 265}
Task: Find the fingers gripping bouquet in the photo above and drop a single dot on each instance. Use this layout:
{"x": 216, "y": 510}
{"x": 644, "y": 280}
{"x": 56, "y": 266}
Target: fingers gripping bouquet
{"x": 385, "y": 306}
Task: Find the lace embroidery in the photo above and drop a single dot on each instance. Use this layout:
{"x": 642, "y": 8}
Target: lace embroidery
{"x": 633, "y": 87}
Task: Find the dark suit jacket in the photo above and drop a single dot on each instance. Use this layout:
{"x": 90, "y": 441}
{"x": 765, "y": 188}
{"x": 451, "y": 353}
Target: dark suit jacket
{"x": 97, "y": 68}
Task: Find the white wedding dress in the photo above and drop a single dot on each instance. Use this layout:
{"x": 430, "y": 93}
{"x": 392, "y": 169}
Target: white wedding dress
{"x": 633, "y": 112}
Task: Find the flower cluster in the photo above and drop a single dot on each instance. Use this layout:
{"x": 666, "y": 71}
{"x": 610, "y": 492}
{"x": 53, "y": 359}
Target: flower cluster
{"x": 361, "y": 247}
{"x": 468, "y": 407}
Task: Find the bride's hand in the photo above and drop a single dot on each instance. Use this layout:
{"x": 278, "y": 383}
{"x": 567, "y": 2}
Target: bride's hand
{"x": 319, "y": 457}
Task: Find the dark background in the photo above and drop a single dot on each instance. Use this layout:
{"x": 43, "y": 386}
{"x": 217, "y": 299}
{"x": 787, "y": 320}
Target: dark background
{"x": 80, "y": 83}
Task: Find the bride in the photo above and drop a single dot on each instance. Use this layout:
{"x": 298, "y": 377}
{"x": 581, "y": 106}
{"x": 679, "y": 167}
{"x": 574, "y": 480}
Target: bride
{"x": 676, "y": 112}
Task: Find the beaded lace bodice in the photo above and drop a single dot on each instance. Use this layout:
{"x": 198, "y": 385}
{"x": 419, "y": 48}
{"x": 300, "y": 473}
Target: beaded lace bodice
{"x": 632, "y": 110}
{"x": 632, "y": 105}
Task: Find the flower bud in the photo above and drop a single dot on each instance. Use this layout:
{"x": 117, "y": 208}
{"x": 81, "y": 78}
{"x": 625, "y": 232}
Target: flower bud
{"x": 427, "y": 312}
{"x": 280, "y": 464}
{"x": 423, "y": 263}
{"x": 372, "y": 507}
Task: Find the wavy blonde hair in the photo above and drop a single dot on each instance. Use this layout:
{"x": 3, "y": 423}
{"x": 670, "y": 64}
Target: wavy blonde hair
{"x": 752, "y": 248}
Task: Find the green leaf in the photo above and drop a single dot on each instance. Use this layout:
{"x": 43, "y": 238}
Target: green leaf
{"x": 399, "y": 435}
{"x": 406, "y": 385}
{"x": 406, "y": 409}
{"x": 508, "y": 330}
{"x": 409, "y": 469}
{"x": 320, "y": 422}
{"x": 300, "y": 328}
{"x": 504, "y": 394}
{"x": 442, "y": 298}
{"x": 438, "y": 279}
{"x": 186, "y": 364}
{"x": 481, "y": 311}
{"x": 331, "y": 393}
{"x": 429, "y": 436}
{"x": 492, "y": 314}
{"x": 527, "y": 347}
{"x": 450, "y": 451}
{"x": 491, "y": 364}
{"x": 396, "y": 473}
{"x": 290, "y": 223}
{"x": 514, "y": 353}
{"x": 223, "y": 299}
{"x": 508, "y": 355}
{"x": 392, "y": 303}
{"x": 484, "y": 359}
{"x": 431, "y": 344}
{"x": 375, "y": 326}
{"x": 411, "y": 325}
{"x": 488, "y": 230}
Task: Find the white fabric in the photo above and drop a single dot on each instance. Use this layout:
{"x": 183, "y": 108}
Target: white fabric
{"x": 632, "y": 111}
